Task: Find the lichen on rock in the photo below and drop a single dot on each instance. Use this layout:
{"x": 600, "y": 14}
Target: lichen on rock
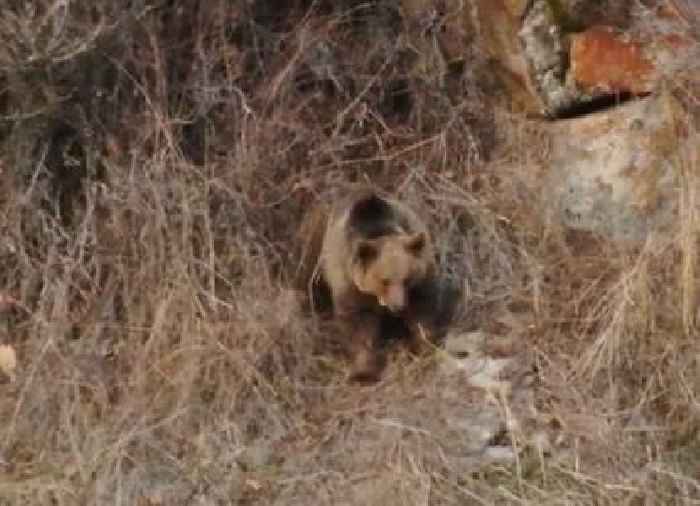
{"x": 546, "y": 54}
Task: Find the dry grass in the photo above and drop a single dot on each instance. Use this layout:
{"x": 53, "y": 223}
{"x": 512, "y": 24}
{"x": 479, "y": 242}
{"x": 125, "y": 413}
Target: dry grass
{"x": 148, "y": 209}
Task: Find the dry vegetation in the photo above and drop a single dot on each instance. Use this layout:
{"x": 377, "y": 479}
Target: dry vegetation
{"x": 156, "y": 158}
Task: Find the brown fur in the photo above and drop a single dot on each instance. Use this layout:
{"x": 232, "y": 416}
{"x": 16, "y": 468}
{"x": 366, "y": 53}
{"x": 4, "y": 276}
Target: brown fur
{"x": 372, "y": 258}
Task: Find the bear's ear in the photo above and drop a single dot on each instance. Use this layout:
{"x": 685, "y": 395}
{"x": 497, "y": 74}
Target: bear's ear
{"x": 365, "y": 252}
{"x": 416, "y": 243}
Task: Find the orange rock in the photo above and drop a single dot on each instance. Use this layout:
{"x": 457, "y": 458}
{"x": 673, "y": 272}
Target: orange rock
{"x": 604, "y": 60}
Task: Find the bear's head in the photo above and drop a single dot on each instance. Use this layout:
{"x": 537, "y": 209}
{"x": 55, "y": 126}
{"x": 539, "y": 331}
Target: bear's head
{"x": 387, "y": 266}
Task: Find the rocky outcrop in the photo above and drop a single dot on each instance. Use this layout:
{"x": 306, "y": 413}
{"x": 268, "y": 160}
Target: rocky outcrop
{"x": 553, "y": 56}
{"x": 613, "y": 170}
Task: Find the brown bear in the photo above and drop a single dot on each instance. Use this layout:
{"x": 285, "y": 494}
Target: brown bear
{"x": 373, "y": 257}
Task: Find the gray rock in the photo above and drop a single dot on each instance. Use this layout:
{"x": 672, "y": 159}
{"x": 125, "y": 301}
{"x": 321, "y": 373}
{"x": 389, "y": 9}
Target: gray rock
{"x": 615, "y": 172}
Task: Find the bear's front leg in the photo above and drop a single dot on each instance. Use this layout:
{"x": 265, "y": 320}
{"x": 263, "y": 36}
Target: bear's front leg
{"x": 368, "y": 359}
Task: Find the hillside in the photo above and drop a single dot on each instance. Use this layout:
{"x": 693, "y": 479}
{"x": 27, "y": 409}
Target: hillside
{"x": 158, "y": 156}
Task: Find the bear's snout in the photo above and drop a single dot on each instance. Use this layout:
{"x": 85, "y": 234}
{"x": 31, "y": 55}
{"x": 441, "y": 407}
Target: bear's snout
{"x": 394, "y": 300}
